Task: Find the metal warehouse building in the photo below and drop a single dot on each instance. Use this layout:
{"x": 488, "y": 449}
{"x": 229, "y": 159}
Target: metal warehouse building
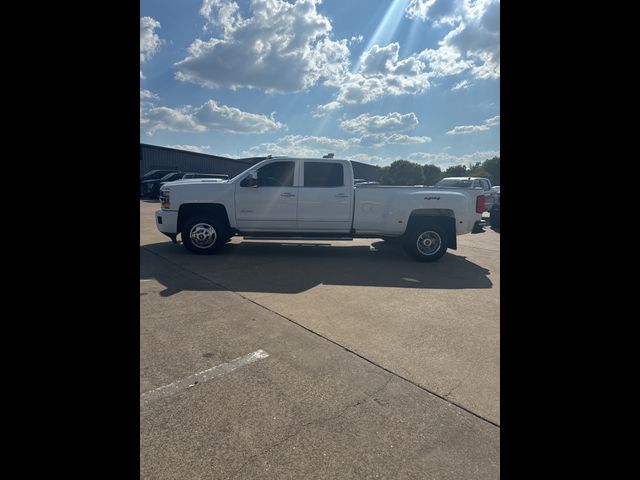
{"x": 153, "y": 157}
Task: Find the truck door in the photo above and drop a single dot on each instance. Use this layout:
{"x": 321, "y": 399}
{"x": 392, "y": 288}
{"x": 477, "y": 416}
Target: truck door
{"x": 325, "y": 201}
{"x": 272, "y": 203}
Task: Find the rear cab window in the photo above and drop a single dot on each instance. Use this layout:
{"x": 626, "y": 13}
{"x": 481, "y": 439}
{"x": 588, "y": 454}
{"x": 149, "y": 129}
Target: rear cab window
{"x": 323, "y": 174}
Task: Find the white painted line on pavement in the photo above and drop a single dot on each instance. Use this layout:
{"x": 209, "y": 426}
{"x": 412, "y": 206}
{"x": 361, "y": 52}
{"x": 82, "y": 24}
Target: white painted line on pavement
{"x": 201, "y": 377}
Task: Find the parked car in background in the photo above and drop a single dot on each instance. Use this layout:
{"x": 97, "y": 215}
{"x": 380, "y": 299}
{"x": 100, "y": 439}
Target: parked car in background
{"x": 151, "y": 188}
{"x": 471, "y": 182}
{"x": 153, "y": 175}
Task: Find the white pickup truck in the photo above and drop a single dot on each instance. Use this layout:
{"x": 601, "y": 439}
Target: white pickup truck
{"x": 311, "y": 199}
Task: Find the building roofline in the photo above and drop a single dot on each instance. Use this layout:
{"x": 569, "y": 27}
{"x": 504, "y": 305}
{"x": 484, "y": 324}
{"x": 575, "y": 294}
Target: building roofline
{"x": 206, "y": 155}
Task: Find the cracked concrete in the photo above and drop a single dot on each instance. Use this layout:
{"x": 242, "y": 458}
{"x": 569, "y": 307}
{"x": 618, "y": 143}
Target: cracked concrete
{"x": 311, "y": 409}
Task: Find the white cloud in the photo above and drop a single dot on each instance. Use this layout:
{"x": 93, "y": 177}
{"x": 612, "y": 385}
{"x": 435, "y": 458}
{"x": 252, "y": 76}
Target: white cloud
{"x": 492, "y": 121}
{"x": 322, "y": 110}
{"x": 445, "y": 61}
{"x": 190, "y": 148}
{"x": 147, "y": 99}
{"x": 477, "y": 37}
{"x": 314, "y": 146}
{"x": 472, "y": 46}
{"x": 380, "y": 73}
{"x": 231, "y": 119}
{"x": 464, "y": 84}
{"x": 209, "y": 116}
{"x": 444, "y": 160}
{"x": 147, "y": 95}
{"x": 381, "y": 139}
{"x": 300, "y": 146}
{"x": 392, "y": 122}
{"x": 165, "y": 118}
{"x": 466, "y": 129}
{"x": 283, "y": 47}
{"x": 149, "y": 39}
{"x": 438, "y": 11}
{"x": 483, "y": 127}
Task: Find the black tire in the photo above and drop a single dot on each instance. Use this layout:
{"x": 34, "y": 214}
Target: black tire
{"x": 434, "y": 240}
{"x": 392, "y": 240}
{"x": 207, "y": 229}
{"x": 494, "y": 218}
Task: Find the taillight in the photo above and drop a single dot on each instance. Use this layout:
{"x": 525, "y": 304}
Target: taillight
{"x": 480, "y": 203}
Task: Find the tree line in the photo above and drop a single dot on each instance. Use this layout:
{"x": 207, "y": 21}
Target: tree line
{"x": 403, "y": 172}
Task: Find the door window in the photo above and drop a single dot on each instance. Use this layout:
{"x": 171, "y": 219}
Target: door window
{"x": 323, "y": 174}
{"x": 276, "y": 174}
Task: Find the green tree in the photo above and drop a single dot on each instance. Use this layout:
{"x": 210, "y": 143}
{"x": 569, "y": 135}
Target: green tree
{"x": 492, "y": 167}
{"x": 457, "y": 171}
{"x": 431, "y": 174}
{"x": 402, "y": 172}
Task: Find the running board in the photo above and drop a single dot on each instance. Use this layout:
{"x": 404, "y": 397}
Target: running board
{"x": 252, "y": 237}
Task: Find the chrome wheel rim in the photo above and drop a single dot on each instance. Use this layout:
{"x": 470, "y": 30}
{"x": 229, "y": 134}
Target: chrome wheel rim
{"x": 203, "y": 235}
{"x": 428, "y": 243}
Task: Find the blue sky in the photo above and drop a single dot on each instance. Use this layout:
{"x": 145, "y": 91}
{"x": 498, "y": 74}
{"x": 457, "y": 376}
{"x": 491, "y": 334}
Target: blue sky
{"x": 369, "y": 80}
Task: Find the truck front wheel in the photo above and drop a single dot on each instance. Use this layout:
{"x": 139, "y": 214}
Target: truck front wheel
{"x": 203, "y": 235}
{"x": 425, "y": 243}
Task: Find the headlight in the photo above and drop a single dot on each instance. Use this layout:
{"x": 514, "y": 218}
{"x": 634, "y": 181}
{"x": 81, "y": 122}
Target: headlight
{"x": 165, "y": 199}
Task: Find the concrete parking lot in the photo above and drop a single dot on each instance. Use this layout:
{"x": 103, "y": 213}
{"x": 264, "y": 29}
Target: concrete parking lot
{"x": 321, "y": 360}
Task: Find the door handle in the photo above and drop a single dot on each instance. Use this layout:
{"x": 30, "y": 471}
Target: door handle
{"x": 286, "y": 194}
{"x": 342, "y": 195}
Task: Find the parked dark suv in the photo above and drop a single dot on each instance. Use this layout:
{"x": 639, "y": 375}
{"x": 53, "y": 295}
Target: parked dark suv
{"x": 154, "y": 175}
{"x": 151, "y": 188}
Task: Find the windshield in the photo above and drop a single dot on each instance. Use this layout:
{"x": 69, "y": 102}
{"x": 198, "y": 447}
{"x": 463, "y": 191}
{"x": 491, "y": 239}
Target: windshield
{"x": 153, "y": 174}
{"x": 456, "y": 183}
{"x": 171, "y": 175}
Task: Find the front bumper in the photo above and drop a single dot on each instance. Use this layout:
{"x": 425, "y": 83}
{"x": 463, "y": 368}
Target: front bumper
{"x": 167, "y": 222}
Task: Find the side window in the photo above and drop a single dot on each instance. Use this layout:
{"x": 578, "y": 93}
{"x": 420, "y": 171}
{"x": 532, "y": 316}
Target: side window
{"x": 276, "y": 174}
{"x": 323, "y": 174}
{"x": 485, "y": 185}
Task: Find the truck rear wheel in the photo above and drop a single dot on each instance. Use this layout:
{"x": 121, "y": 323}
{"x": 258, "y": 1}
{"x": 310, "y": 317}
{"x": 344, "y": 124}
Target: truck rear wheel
{"x": 494, "y": 218}
{"x": 203, "y": 235}
{"x": 425, "y": 243}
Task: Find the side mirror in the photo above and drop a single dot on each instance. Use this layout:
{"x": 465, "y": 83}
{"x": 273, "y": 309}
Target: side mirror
{"x": 250, "y": 180}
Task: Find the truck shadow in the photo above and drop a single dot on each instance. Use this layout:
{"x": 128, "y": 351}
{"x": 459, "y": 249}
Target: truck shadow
{"x": 295, "y": 268}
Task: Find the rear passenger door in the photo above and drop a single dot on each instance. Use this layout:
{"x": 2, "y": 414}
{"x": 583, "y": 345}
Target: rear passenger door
{"x": 325, "y": 199}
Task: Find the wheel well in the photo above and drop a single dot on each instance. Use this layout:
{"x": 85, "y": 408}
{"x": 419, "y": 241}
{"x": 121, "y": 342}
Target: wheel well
{"x": 442, "y": 217}
{"x": 216, "y": 210}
